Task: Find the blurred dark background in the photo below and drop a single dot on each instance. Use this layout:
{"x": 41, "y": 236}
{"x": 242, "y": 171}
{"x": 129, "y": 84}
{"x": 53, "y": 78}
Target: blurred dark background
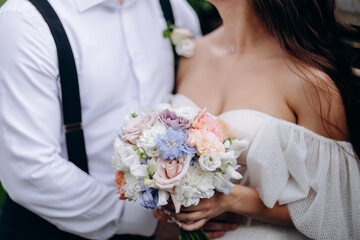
{"x": 208, "y": 15}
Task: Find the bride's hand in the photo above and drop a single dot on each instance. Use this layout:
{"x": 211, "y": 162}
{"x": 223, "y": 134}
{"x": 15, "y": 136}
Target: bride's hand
{"x": 194, "y": 217}
{"x": 241, "y": 200}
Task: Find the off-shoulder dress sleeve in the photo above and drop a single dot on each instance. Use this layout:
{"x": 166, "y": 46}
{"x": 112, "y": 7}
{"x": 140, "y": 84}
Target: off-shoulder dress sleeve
{"x": 318, "y": 178}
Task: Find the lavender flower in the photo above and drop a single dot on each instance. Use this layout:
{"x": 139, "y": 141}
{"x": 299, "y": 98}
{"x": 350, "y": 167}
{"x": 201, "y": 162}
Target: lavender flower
{"x": 172, "y": 120}
{"x": 171, "y": 144}
{"x": 150, "y": 197}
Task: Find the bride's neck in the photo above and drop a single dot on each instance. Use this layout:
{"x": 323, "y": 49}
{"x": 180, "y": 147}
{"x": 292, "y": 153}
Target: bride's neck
{"x": 243, "y": 31}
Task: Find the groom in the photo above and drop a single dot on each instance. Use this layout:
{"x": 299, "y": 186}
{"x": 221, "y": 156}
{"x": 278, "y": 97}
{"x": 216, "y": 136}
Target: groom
{"x": 123, "y": 63}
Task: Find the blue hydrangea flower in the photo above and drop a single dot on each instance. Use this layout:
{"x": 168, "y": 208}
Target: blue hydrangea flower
{"x": 150, "y": 197}
{"x": 171, "y": 144}
{"x": 189, "y": 150}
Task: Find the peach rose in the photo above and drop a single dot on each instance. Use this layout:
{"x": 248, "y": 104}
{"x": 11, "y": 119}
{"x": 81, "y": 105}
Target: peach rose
{"x": 205, "y": 141}
{"x": 210, "y": 124}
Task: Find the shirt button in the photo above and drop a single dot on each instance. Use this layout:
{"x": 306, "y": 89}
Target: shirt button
{"x": 144, "y": 98}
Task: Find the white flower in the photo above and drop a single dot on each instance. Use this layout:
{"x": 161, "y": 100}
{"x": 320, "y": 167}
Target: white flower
{"x": 118, "y": 164}
{"x": 188, "y": 195}
{"x": 127, "y": 159}
{"x": 148, "y": 182}
{"x": 187, "y": 112}
{"x": 148, "y": 138}
{"x": 197, "y": 184}
{"x": 229, "y": 165}
{"x": 124, "y": 156}
{"x": 179, "y": 34}
{"x": 222, "y": 184}
{"x": 228, "y": 158}
{"x": 185, "y": 48}
{"x": 138, "y": 170}
{"x": 232, "y": 173}
{"x": 238, "y": 146}
{"x": 163, "y": 197}
{"x": 152, "y": 166}
{"x": 210, "y": 161}
{"x": 132, "y": 187}
{"x": 227, "y": 144}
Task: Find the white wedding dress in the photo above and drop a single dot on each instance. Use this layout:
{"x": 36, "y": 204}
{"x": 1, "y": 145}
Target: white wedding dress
{"x": 317, "y": 177}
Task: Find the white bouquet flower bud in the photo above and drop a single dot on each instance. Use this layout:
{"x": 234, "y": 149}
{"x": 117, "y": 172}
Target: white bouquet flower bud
{"x": 179, "y": 34}
{"x": 185, "y": 48}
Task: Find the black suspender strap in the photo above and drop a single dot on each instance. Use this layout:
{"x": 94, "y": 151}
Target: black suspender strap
{"x": 167, "y": 10}
{"x": 169, "y": 17}
{"x": 69, "y": 86}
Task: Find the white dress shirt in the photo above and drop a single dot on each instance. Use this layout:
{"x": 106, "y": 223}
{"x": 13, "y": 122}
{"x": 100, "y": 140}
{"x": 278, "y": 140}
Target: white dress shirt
{"x": 123, "y": 64}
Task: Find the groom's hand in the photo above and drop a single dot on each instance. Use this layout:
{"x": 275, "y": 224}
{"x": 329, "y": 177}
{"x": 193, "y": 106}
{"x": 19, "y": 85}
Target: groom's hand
{"x": 167, "y": 231}
{"x": 214, "y": 228}
{"x": 218, "y": 226}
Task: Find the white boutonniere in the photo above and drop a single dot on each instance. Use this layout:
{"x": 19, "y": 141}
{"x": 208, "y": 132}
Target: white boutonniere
{"x": 181, "y": 40}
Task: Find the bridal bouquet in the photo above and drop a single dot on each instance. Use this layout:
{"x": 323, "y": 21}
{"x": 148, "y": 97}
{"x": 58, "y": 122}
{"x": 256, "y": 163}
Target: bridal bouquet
{"x": 179, "y": 153}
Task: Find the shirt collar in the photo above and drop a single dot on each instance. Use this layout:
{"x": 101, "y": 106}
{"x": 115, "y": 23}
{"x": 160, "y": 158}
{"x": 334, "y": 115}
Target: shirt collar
{"x": 84, "y": 5}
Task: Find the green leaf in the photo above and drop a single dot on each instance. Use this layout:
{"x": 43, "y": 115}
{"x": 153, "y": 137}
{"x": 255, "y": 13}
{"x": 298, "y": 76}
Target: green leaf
{"x": 167, "y": 33}
{"x": 193, "y": 235}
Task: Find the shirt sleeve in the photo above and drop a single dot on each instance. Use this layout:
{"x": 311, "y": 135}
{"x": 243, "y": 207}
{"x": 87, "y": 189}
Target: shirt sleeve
{"x": 186, "y": 17}
{"x": 32, "y": 169}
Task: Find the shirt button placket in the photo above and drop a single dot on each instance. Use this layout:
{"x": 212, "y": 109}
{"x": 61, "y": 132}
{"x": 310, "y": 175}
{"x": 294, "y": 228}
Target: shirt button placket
{"x": 134, "y": 51}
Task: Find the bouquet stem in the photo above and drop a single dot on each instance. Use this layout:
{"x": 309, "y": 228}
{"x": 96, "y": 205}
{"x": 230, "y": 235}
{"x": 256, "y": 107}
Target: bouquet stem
{"x": 193, "y": 235}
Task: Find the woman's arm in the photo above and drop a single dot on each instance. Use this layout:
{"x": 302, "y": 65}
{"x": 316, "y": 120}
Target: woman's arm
{"x": 241, "y": 200}
{"x": 246, "y": 201}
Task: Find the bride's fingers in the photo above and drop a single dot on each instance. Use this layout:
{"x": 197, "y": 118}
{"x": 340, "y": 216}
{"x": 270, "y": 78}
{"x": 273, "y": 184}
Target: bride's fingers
{"x": 193, "y": 226}
{"x": 205, "y": 204}
{"x": 190, "y": 216}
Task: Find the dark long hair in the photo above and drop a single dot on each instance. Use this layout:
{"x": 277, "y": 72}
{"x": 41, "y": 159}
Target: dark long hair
{"x": 310, "y": 31}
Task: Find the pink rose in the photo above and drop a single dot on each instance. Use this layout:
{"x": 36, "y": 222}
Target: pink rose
{"x": 170, "y": 173}
{"x": 205, "y": 141}
{"x": 133, "y": 128}
{"x": 209, "y": 123}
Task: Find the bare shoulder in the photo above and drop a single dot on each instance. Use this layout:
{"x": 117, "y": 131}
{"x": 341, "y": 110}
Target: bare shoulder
{"x": 317, "y": 103}
{"x": 203, "y": 51}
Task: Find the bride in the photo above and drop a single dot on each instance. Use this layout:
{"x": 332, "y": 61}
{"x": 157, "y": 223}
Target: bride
{"x": 276, "y": 71}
